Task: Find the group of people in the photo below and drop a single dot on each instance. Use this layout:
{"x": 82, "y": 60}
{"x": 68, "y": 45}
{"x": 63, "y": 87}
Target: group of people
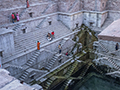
{"x": 50, "y": 36}
{"x": 38, "y": 46}
{"x": 15, "y": 16}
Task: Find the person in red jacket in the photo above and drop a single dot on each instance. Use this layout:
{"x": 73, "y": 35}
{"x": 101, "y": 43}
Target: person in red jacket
{"x": 27, "y": 4}
{"x": 52, "y": 33}
{"x": 13, "y": 17}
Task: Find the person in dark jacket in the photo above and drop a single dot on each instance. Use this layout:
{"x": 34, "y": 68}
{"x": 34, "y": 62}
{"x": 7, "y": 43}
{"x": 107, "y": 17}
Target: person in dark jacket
{"x": 117, "y": 46}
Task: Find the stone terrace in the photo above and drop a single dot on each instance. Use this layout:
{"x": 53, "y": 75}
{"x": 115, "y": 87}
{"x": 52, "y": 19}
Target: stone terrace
{"x": 28, "y": 41}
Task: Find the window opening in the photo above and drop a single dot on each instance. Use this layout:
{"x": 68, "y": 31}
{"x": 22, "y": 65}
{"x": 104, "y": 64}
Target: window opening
{"x": 24, "y": 31}
{"x": 77, "y": 25}
{"x": 103, "y": 4}
{"x": 50, "y": 22}
{"x": 1, "y": 54}
{"x": 30, "y": 14}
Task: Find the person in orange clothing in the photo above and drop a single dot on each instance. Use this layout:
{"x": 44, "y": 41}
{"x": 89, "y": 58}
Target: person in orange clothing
{"x": 27, "y": 4}
{"x": 38, "y": 45}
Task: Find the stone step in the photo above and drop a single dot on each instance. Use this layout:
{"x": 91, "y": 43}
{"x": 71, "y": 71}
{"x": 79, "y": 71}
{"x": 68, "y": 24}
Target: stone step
{"x": 51, "y": 63}
{"x": 32, "y": 74}
{"x": 23, "y": 77}
{"x": 53, "y": 59}
{"x": 28, "y": 64}
{"x": 34, "y": 56}
{"x": 27, "y": 41}
{"x": 32, "y": 59}
{"x": 30, "y": 35}
{"x": 46, "y": 86}
{"x": 47, "y": 68}
{"x": 48, "y": 83}
{"x": 26, "y": 72}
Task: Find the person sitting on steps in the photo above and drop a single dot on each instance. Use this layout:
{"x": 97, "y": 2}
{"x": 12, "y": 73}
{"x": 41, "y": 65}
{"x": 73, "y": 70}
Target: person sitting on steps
{"x": 52, "y": 33}
{"x": 49, "y": 37}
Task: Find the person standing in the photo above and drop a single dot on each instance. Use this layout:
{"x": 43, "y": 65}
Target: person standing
{"x": 38, "y": 45}
{"x": 27, "y": 3}
{"x": 117, "y": 46}
{"x": 60, "y": 47}
{"x": 17, "y": 15}
{"x": 13, "y": 17}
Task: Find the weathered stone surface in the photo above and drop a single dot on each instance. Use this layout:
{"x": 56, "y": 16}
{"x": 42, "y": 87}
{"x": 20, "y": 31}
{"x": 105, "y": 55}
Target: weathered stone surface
{"x": 6, "y": 41}
{"x": 9, "y": 83}
{"x": 113, "y": 5}
{"x": 111, "y": 33}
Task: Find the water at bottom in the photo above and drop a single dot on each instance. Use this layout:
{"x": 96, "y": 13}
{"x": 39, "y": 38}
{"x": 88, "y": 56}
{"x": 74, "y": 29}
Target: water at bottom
{"x": 95, "y": 83}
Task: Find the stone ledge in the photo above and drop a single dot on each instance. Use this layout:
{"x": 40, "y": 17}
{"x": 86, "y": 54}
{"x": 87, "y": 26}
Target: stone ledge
{"x": 8, "y": 59}
{"x": 24, "y": 6}
{"x": 4, "y": 31}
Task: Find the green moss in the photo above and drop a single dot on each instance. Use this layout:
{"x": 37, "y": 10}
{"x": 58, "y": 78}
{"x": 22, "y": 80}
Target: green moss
{"x": 86, "y": 38}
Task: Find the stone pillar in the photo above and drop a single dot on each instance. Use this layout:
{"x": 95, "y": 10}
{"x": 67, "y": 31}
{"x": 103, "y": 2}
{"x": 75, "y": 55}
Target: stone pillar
{"x": 6, "y": 42}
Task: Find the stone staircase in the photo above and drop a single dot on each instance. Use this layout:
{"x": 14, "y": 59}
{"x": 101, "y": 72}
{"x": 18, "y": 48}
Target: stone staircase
{"x": 63, "y": 41}
{"x": 21, "y": 14}
{"x": 51, "y": 62}
{"x": 18, "y": 26}
{"x": 85, "y": 69}
{"x": 33, "y": 58}
{"x": 106, "y": 50}
{"x": 68, "y": 74}
{"x": 48, "y": 82}
{"x": 24, "y": 76}
{"x": 29, "y": 63}
{"x": 56, "y": 57}
{"x": 113, "y": 63}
